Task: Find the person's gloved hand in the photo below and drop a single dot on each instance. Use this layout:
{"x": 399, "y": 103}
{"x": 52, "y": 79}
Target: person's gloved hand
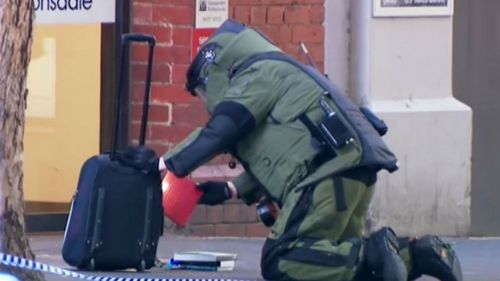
{"x": 214, "y": 192}
{"x": 141, "y": 158}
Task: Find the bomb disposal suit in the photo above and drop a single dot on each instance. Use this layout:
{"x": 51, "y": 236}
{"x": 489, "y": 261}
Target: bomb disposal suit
{"x": 267, "y": 110}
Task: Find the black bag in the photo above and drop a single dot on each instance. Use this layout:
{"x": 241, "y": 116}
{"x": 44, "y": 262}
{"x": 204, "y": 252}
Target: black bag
{"x": 116, "y": 215}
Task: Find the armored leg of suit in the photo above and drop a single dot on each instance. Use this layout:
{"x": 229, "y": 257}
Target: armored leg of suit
{"x": 318, "y": 235}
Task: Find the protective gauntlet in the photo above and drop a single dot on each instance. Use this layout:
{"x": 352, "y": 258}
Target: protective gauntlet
{"x": 214, "y": 193}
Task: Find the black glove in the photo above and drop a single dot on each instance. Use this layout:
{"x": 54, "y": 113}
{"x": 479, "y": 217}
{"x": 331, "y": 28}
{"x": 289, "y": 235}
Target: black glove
{"x": 214, "y": 192}
{"x": 141, "y": 158}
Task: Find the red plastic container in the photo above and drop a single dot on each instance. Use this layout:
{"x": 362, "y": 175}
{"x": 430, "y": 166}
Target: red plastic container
{"x": 180, "y": 198}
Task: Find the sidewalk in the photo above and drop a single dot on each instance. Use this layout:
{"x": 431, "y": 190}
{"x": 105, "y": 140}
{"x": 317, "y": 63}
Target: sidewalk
{"x": 480, "y": 257}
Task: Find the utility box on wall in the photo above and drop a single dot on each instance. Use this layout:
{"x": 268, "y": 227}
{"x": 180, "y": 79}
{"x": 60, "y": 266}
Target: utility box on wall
{"x": 400, "y": 65}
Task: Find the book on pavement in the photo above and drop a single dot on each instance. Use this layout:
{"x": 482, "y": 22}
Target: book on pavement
{"x": 203, "y": 260}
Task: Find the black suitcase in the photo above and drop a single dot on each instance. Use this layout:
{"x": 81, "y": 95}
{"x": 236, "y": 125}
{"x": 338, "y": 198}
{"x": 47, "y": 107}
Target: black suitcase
{"x": 116, "y": 216}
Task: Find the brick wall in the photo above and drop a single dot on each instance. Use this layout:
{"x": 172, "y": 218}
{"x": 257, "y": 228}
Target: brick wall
{"x": 174, "y": 113}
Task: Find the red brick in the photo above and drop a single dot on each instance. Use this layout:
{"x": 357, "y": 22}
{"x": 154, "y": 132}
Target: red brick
{"x": 137, "y": 93}
{"x": 260, "y": 2}
{"x": 135, "y": 126}
{"x": 242, "y": 14}
{"x": 182, "y": 15}
{"x": 190, "y": 114}
{"x": 297, "y": 14}
{"x": 238, "y": 212}
{"x": 321, "y": 66}
{"x": 278, "y": 34}
{"x": 157, "y": 113}
{"x": 232, "y": 213}
{"x": 316, "y": 51}
{"x": 256, "y": 230}
{"x": 171, "y": 93}
{"x": 135, "y": 114}
{"x": 309, "y": 33}
{"x": 214, "y": 214}
{"x": 139, "y": 53}
{"x": 275, "y": 14}
{"x": 158, "y": 147}
{"x": 292, "y": 50}
{"x": 230, "y": 230}
{"x": 258, "y": 15}
{"x": 317, "y": 14}
{"x": 176, "y": 54}
{"x": 203, "y": 230}
{"x": 172, "y": 134}
{"x": 189, "y": 3}
{"x": 199, "y": 215}
{"x": 142, "y": 13}
{"x": 179, "y": 73}
{"x": 182, "y": 36}
{"x": 309, "y": 2}
{"x": 248, "y": 213}
{"x": 160, "y": 73}
{"x": 219, "y": 172}
{"x": 170, "y": 2}
{"x": 162, "y": 34}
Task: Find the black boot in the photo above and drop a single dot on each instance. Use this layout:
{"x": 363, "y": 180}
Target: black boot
{"x": 431, "y": 256}
{"x": 381, "y": 256}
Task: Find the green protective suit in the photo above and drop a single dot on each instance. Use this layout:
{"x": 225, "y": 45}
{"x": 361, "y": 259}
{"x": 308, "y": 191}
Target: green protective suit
{"x": 257, "y": 115}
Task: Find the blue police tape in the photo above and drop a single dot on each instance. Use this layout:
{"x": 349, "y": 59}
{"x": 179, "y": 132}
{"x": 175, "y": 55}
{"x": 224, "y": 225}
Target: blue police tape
{"x": 22, "y": 263}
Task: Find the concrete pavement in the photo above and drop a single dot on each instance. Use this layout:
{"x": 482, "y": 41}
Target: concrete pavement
{"x": 480, "y": 257}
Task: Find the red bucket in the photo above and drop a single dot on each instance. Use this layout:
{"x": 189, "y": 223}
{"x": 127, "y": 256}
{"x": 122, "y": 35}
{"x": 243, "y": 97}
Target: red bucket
{"x": 180, "y": 198}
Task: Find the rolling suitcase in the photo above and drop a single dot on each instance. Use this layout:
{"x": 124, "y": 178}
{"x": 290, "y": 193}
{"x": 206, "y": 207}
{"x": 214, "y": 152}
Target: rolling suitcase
{"x": 116, "y": 215}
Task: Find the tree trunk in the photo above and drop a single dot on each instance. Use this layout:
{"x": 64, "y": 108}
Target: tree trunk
{"x": 16, "y": 23}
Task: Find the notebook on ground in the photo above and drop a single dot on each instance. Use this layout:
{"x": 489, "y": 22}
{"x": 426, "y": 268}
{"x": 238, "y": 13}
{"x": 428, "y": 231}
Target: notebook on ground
{"x": 203, "y": 256}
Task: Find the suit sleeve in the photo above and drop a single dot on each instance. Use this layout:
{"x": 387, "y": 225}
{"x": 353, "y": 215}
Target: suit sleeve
{"x": 248, "y": 188}
{"x": 246, "y": 103}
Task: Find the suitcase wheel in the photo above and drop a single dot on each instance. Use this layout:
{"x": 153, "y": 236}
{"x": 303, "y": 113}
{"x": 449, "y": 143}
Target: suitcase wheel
{"x": 92, "y": 265}
{"x": 141, "y": 266}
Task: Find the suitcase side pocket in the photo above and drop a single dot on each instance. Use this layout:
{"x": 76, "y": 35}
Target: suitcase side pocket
{"x": 75, "y": 249}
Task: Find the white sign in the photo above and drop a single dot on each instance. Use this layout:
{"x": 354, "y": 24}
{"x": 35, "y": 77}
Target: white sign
{"x": 412, "y": 8}
{"x": 74, "y": 11}
{"x": 211, "y": 13}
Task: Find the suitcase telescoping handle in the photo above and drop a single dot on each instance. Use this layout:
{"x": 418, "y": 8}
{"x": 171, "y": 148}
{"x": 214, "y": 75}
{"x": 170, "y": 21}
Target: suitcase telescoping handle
{"x": 126, "y": 40}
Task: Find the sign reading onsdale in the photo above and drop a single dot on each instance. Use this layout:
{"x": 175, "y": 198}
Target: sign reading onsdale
{"x": 74, "y": 11}
{"x": 412, "y": 8}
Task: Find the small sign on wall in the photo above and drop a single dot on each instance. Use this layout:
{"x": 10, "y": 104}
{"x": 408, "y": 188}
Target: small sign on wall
{"x": 412, "y": 8}
{"x": 198, "y": 37}
{"x": 211, "y": 13}
{"x": 74, "y": 11}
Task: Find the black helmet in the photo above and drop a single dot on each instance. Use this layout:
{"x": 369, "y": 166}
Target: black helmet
{"x": 207, "y": 54}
